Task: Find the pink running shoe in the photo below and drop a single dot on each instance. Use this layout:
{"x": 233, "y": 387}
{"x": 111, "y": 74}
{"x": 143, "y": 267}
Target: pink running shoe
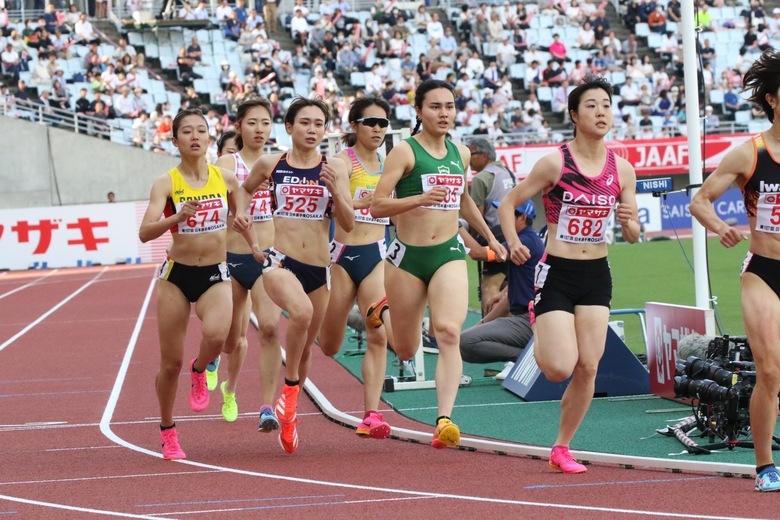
{"x": 199, "y": 391}
{"x": 561, "y": 460}
{"x": 170, "y": 445}
{"x": 373, "y": 426}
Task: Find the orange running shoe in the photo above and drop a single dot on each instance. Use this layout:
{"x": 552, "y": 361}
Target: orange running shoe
{"x": 286, "y": 408}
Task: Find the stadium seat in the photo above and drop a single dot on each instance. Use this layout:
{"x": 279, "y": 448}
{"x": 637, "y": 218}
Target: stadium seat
{"x": 357, "y": 79}
{"x": 642, "y": 30}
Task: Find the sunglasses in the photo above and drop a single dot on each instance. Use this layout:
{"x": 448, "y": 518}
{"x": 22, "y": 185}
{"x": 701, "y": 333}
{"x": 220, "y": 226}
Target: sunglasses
{"x": 373, "y": 121}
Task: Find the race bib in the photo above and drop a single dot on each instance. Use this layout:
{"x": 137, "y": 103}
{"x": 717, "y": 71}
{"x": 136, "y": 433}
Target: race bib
{"x": 304, "y": 201}
{"x": 364, "y": 215}
{"x": 583, "y": 224}
{"x": 455, "y": 185}
{"x": 768, "y": 213}
{"x": 260, "y": 207}
{"x": 395, "y": 253}
{"x": 211, "y": 216}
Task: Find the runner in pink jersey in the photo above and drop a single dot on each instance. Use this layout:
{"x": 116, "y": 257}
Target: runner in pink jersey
{"x": 581, "y": 183}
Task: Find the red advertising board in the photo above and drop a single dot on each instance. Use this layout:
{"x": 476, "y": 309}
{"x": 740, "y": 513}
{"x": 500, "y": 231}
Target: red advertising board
{"x": 667, "y": 156}
{"x": 667, "y": 324}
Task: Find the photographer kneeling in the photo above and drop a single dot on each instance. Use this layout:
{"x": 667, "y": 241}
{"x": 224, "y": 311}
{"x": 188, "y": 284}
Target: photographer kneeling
{"x": 506, "y": 329}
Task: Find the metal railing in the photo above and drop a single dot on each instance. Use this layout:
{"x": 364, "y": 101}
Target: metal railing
{"x": 63, "y": 119}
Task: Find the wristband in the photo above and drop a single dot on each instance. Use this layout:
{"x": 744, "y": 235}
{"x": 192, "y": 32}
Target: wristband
{"x": 491, "y": 255}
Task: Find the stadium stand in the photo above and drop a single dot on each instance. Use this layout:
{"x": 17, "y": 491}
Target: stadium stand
{"x": 512, "y": 65}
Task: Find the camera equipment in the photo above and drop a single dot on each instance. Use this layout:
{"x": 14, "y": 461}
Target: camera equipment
{"x": 719, "y": 388}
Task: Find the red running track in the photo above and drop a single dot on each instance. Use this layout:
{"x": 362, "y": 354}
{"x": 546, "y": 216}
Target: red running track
{"x": 79, "y": 436}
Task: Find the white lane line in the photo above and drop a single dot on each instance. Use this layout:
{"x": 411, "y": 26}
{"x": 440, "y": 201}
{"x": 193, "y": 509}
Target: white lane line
{"x": 288, "y": 506}
{"x": 73, "y": 508}
{"x": 164, "y": 474}
{"x": 105, "y": 428}
{"x": 52, "y": 310}
{"x": 25, "y": 286}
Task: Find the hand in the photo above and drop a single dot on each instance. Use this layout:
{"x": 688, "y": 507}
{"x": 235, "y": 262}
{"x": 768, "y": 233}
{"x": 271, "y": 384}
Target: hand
{"x": 518, "y": 253}
{"x": 498, "y": 249}
{"x": 434, "y": 197}
{"x": 625, "y": 214}
{"x": 258, "y": 254}
{"x": 328, "y": 174}
{"x": 189, "y": 209}
{"x": 492, "y": 303}
{"x": 364, "y": 202}
{"x": 240, "y": 223}
{"x": 732, "y": 236}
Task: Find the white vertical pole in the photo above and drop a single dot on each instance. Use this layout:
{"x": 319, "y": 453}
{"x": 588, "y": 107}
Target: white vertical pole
{"x": 691, "y": 76}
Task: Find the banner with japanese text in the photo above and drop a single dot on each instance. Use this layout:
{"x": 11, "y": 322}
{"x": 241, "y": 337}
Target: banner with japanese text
{"x": 664, "y": 156}
{"x": 73, "y": 236}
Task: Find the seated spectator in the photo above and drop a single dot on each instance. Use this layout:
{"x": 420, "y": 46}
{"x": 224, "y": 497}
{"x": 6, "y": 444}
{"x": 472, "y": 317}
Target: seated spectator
{"x": 586, "y": 38}
{"x": 231, "y": 27}
{"x": 646, "y": 125}
{"x": 711, "y": 120}
{"x": 703, "y": 17}
{"x": 347, "y": 60}
{"x": 223, "y": 11}
{"x": 194, "y": 50}
{"x": 707, "y": 52}
{"x": 560, "y": 101}
{"x": 165, "y": 128}
{"x": 554, "y": 74}
{"x": 59, "y": 95}
{"x": 448, "y": 43}
{"x": 558, "y": 49}
{"x": 40, "y": 73}
{"x": 83, "y": 32}
{"x": 601, "y": 25}
{"x": 421, "y": 19}
{"x": 201, "y": 11}
{"x": 629, "y": 93}
{"x": 11, "y": 61}
{"x": 674, "y": 11}
{"x": 669, "y": 127}
{"x": 185, "y": 64}
{"x": 574, "y": 14}
{"x": 533, "y": 76}
{"x": 733, "y": 103}
{"x": 61, "y": 44}
{"x": 630, "y": 46}
{"x": 506, "y": 328}
{"x": 656, "y": 21}
{"x": 434, "y": 28}
{"x": 495, "y": 28}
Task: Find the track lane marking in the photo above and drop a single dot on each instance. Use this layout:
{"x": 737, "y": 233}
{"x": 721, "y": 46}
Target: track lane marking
{"x": 105, "y": 428}
{"x": 52, "y": 310}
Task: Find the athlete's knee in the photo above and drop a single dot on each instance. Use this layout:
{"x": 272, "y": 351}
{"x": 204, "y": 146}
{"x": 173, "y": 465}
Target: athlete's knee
{"x": 586, "y": 370}
{"x": 376, "y": 338}
{"x": 768, "y": 375}
{"x": 447, "y": 334}
{"x": 269, "y": 333}
{"x": 235, "y": 345}
{"x": 300, "y": 313}
{"x": 171, "y": 368}
{"x": 328, "y": 346}
{"x": 405, "y": 352}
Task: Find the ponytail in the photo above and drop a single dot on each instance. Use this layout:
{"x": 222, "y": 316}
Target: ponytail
{"x": 417, "y": 126}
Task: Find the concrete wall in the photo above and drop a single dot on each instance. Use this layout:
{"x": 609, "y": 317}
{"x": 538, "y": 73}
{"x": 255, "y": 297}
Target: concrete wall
{"x": 44, "y": 166}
